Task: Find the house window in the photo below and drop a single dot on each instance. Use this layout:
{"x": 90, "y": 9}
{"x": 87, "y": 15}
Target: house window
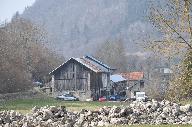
{"x": 142, "y": 84}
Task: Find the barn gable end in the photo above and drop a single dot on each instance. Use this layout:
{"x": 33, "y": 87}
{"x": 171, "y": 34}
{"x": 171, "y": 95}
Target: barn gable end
{"x": 84, "y": 77}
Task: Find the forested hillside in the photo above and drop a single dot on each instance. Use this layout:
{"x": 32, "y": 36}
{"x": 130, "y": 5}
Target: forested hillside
{"x": 77, "y": 27}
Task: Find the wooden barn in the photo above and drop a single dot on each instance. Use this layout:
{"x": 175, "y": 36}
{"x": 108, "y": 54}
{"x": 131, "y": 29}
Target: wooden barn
{"x": 84, "y": 77}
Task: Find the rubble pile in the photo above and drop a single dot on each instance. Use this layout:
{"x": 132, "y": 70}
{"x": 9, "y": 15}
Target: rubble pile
{"x": 151, "y": 112}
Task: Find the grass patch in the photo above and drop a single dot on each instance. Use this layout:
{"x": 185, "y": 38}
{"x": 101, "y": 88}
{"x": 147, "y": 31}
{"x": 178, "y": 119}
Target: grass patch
{"x": 25, "y": 105}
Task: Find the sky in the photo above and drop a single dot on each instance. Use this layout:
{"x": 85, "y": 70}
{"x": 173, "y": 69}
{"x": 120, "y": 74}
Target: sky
{"x": 9, "y": 7}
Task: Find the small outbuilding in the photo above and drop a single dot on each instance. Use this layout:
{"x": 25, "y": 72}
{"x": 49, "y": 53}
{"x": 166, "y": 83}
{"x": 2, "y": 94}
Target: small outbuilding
{"x": 118, "y": 85}
{"x": 135, "y": 82}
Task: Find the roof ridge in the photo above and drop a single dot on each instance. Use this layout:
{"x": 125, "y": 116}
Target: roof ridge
{"x": 92, "y": 65}
{"x": 86, "y": 62}
{"x": 97, "y": 61}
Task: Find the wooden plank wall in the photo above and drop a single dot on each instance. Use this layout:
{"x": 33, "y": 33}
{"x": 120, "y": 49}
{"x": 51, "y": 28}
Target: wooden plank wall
{"x": 71, "y": 77}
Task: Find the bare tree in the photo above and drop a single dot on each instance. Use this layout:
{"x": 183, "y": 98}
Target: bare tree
{"x": 173, "y": 20}
{"x": 113, "y": 54}
{"x": 24, "y": 57}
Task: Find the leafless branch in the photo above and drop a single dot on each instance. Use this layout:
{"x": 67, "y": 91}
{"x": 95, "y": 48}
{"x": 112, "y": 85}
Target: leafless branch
{"x": 163, "y": 19}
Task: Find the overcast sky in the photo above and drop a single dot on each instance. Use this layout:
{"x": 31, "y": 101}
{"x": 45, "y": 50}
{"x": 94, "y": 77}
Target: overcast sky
{"x": 9, "y": 7}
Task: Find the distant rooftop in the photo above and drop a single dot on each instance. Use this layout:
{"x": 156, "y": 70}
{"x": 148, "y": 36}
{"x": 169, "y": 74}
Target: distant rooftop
{"x": 133, "y": 75}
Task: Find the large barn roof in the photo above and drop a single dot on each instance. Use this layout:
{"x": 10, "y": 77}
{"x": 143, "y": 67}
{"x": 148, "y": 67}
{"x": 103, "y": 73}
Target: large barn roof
{"x": 89, "y": 62}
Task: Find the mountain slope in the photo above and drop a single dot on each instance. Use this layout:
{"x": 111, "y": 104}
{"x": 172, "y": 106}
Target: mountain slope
{"x": 77, "y": 27}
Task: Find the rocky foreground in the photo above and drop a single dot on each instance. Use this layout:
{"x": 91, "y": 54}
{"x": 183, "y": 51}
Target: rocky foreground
{"x": 152, "y": 112}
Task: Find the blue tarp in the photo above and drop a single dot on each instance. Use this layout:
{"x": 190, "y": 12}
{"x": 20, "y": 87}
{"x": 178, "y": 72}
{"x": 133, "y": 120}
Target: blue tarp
{"x": 117, "y": 78}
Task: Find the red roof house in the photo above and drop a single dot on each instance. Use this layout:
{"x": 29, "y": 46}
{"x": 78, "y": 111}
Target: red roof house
{"x": 133, "y": 75}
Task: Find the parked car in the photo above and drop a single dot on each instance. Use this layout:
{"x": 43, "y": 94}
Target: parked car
{"x": 115, "y": 98}
{"x": 67, "y": 97}
{"x": 103, "y": 98}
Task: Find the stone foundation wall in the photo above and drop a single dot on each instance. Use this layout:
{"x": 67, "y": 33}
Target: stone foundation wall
{"x": 136, "y": 113}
